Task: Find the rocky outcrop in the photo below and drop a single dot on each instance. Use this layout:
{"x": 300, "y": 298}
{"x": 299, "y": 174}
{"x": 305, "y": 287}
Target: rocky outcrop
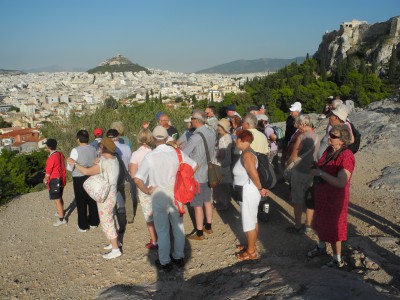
{"x": 371, "y": 42}
{"x": 118, "y": 63}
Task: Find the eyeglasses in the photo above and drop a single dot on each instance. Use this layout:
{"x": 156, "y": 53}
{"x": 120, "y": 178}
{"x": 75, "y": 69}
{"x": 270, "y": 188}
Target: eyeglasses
{"x": 164, "y": 120}
{"x": 193, "y": 118}
{"x": 332, "y": 136}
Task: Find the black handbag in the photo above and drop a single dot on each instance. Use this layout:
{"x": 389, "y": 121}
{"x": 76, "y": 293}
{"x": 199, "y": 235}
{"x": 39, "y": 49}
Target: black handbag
{"x": 55, "y": 185}
{"x": 238, "y": 193}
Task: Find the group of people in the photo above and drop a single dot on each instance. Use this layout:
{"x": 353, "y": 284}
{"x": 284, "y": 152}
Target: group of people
{"x": 230, "y": 142}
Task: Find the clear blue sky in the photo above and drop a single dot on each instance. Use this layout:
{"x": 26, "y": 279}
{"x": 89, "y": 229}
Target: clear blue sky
{"x": 172, "y": 35}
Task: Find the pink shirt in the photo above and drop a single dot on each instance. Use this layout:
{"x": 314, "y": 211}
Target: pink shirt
{"x": 138, "y": 155}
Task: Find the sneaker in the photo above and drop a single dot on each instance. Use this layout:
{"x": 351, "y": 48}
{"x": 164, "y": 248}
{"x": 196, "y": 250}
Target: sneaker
{"x": 92, "y": 227}
{"x": 307, "y": 229}
{"x": 109, "y": 246}
{"x": 112, "y": 254}
{"x": 167, "y": 268}
{"x": 195, "y": 237}
{"x": 151, "y": 246}
{"x": 81, "y": 230}
{"x": 316, "y": 251}
{"x": 208, "y": 231}
{"x": 58, "y": 223}
{"x": 333, "y": 263}
{"x": 180, "y": 263}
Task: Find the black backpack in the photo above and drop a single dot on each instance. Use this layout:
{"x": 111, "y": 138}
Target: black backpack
{"x": 123, "y": 173}
{"x": 265, "y": 170}
{"x": 357, "y": 139}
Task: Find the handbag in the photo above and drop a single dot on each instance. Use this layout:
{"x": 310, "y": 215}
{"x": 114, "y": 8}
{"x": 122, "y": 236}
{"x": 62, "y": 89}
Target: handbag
{"x": 97, "y": 187}
{"x": 237, "y": 194}
{"x": 55, "y": 185}
{"x": 214, "y": 170}
{"x": 287, "y": 173}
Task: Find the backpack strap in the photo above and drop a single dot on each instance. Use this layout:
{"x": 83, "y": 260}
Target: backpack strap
{"x": 180, "y": 207}
{"x": 178, "y": 151}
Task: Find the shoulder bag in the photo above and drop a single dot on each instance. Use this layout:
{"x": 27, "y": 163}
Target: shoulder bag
{"x": 97, "y": 186}
{"x": 214, "y": 170}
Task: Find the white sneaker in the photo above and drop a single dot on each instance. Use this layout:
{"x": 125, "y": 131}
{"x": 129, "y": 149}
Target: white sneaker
{"x": 58, "y": 223}
{"x": 112, "y": 254}
{"x": 81, "y": 230}
{"x": 92, "y": 227}
{"x": 109, "y": 246}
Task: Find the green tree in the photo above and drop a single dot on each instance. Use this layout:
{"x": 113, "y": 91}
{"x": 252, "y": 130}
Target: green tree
{"x": 393, "y": 74}
{"x": 110, "y": 102}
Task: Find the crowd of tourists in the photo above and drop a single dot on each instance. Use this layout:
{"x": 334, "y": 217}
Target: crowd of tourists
{"x": 317, "y": 171}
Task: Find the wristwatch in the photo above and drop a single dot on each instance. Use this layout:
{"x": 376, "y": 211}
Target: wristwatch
{"x": 320, "y": 174}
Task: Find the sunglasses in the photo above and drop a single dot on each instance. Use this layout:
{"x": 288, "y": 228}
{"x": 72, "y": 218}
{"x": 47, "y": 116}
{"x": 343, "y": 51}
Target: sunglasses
{"x": 332, "y": 136}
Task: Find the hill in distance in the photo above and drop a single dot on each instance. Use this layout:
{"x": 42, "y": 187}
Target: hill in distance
{"x": 11, "y": 72}
{"x": 54, "y": 69}
{"x": 243, "y": 66}
{"x": 118, "y": 63}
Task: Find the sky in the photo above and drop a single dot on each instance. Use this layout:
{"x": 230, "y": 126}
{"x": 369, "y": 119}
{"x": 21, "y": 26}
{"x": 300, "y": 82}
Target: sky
{"x": 181, "y": 35}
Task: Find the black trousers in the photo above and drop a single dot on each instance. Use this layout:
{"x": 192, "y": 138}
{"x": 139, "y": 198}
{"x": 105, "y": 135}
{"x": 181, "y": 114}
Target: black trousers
{"x": 88, "y": 215}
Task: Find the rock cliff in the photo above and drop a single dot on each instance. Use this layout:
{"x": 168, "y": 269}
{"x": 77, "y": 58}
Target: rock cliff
{"x": 371, "y": 42}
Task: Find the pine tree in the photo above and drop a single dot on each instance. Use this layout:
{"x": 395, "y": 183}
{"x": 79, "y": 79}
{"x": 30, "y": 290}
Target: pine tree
{"x": 393, "y": 65}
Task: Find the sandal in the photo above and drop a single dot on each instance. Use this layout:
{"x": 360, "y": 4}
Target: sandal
{"x": 247, "y": 256}
{"x": 241, "y": 247}
{"x": 293, "y": 229}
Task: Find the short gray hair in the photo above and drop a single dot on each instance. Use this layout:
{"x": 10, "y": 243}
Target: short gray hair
{"x": 119, "y": 126}
{"x": 344, "y": 132}
{"x": 200, "y": 116}
{"x": 251, "y": 120}
{"x": 305, "y": 120}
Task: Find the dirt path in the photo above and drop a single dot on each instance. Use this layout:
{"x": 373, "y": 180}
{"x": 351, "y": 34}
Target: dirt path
{"x": 41, "y": 261}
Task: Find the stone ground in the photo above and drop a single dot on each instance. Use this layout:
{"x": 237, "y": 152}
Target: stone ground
{"x": 39, "y": 261}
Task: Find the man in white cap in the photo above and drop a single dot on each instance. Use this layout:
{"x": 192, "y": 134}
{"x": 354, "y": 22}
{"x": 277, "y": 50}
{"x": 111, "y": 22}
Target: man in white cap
{"x": 295, "y": 111}
{"x": 159, "y": 168}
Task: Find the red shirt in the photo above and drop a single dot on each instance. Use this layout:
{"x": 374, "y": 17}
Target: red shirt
{"x": 55, "y": 167}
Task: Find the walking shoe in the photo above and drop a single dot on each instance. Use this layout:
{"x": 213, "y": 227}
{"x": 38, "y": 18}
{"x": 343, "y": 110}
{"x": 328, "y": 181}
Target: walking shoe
{"x": 316, "y": 251}
{"x": 208, "y": 231}
{"x": 81, "y": 230}
{"x": 112, "y": 254}
{"x": 151, "y": 246}
{"x": 180, "y": 263}
{"x": 192, "y": 232}
{"x": 195, "y": 237}
{"x": 92, "y": 227}
{"x": 58, "y": 223}
{"x": 333, "y": 263}
{"x": 167, "y": 268}
{"x": 307, "y": 229}
{"x": 109, "y": 246}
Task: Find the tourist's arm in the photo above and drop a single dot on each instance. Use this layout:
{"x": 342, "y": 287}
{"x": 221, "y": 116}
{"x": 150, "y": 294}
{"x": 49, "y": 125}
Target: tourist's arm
{"x": 93, "y": 170}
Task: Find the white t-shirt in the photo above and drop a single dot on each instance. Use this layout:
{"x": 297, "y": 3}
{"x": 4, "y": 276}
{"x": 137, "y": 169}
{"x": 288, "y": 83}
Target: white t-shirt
{"x": 160, "y": 166}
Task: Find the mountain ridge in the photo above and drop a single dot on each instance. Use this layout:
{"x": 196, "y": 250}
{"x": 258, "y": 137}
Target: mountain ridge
{"x": 252, "y": 66}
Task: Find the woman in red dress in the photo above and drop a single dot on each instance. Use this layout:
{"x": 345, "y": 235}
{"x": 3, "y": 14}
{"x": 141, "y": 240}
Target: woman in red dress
{"x": 331, "y": 187}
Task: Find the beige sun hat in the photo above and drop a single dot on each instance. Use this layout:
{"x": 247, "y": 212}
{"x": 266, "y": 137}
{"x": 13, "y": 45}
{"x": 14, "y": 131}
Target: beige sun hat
{"x": 224, "y": 123}
{"x": 341, "y": 111}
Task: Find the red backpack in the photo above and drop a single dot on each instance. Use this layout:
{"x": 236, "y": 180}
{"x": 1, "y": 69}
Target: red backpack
{"x": 186, "y": 187}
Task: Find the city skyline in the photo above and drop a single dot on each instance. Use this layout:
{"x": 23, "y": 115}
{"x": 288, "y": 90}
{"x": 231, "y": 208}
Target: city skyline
{"x": 179, "y": 36}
